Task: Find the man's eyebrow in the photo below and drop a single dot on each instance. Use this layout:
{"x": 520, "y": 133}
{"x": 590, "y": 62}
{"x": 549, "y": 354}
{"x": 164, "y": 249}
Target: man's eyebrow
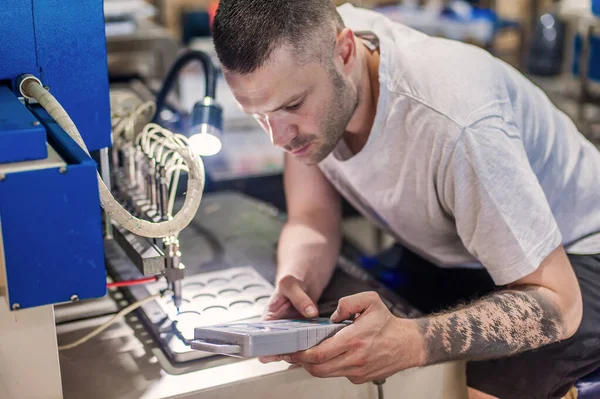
{"x": 291, "y": 99}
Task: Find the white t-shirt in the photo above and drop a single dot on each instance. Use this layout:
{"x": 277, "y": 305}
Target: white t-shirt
{"x": 468, "y": 163}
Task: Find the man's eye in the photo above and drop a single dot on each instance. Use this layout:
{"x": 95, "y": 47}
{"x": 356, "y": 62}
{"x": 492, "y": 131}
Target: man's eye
{"x": 294, "y": 107}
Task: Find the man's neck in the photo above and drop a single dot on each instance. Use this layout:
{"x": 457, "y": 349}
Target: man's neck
{"x": 359, "y": 128}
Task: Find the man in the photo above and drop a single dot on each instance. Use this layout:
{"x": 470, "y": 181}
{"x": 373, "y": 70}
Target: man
{"x": 454, "y": 153}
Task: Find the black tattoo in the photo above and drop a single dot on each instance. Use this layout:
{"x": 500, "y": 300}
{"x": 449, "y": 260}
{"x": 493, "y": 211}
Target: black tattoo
{"x": 503, "y": 324}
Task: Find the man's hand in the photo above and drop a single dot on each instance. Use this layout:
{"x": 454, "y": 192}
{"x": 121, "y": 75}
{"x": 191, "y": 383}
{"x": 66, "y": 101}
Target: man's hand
{"x": 290, "y": 299}
{"x": 376, "y": 345}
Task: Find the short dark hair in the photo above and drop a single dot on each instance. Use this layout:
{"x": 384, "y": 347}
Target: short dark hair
{"x": 246, "y": 32}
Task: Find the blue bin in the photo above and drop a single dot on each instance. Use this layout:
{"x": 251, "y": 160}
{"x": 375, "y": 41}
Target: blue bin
{"x": 593, "y": 58}
{"x": 596, "y": 7}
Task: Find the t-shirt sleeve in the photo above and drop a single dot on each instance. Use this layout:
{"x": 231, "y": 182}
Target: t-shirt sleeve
{"x": 501, "y": 212}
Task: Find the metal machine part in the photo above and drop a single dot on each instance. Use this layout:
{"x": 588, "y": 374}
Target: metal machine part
{"x": 142, "y": 185}
{"x": 174, "y": 270}
{"x": 81, "y": 310}
{"x": 105, "y": 173}
{"x": 146, "y": 255}
{"x": 147, "y": 162}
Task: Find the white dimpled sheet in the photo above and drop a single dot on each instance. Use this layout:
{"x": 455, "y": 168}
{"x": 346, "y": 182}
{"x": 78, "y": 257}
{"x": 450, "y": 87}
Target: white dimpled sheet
{"x": 216, "y": 297}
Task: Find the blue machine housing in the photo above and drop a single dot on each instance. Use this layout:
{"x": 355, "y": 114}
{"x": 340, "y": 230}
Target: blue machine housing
{"x": 23, "y": 138}
{"x": 51, "y": 221}
{"x": 52, "y": 228}
{"x": 63, "y": 43}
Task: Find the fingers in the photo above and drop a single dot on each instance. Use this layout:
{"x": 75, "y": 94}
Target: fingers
{"x": 269, "y": 359}
{"x": 353, "y": 304}
{"x": 281, "y": 313}
{"x": 324, "y": 352}
{"x": 290, "y": 287}
{"x": 287, "y": 312}
{"x": 275, "y": 302}
{"x": 341, "y": 366}
{"x": 329, "y": 349}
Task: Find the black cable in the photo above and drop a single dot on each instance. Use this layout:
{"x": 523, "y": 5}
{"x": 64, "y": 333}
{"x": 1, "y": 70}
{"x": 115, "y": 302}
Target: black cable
{"x": 379, "y": 388}
{"x": 210, "y": 77}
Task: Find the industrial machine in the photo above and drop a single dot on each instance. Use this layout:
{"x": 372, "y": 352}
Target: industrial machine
{"x": 56, "y": 206}
{"x": 55, "y": 110}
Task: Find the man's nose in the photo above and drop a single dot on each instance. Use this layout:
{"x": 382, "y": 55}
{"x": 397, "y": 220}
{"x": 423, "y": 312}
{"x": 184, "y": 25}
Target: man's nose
{"x": 281, "y": 132}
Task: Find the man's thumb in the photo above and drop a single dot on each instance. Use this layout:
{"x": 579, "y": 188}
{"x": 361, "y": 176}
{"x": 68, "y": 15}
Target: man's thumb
{"x": 350, "y": 305}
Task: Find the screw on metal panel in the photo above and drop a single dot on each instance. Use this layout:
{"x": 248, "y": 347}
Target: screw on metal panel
{"x": 36, "y": 123}
{"x": 47, "y": 88}
{"x": 74, "y": 298}
{"x": 62, "y": 170}
{"x": 16, "y": 306}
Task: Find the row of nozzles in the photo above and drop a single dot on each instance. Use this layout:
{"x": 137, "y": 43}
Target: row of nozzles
{"x": 142, "y": 184}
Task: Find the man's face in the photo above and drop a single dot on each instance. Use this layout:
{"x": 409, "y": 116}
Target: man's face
{"x": 304, "y": 108}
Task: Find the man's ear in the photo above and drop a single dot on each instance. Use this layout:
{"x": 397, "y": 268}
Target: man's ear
{"x": 345, "y": 50}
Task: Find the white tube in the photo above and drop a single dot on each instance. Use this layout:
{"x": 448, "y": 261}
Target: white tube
{"x": 173, "y": 192}
{"x": 127, "y": 124}
{"x": 32, "y": 88}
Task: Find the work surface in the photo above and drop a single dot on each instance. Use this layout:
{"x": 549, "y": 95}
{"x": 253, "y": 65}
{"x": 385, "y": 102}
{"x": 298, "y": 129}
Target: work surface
{"x": 230, "y": 230}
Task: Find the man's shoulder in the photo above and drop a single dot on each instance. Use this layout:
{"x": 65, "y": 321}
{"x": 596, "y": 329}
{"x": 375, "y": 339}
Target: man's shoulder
{"x": 451, "y": 78}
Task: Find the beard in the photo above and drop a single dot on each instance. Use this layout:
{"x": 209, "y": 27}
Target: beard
{"x": 336, "y": 116}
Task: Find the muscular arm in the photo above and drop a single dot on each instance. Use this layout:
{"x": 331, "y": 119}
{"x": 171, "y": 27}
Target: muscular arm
{"x": 539, "y": 309}
{"x": 310, "y": 241}
{"x": 503, "y": 324}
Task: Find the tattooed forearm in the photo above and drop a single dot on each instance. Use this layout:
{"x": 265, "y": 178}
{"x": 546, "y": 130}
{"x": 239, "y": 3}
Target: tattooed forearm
{"x": 502, "y": 324}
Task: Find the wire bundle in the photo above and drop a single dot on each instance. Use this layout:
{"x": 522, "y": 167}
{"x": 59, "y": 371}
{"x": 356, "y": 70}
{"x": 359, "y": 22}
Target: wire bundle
{"x": 160, "y": 147}
{"x": 124, "y": 131}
